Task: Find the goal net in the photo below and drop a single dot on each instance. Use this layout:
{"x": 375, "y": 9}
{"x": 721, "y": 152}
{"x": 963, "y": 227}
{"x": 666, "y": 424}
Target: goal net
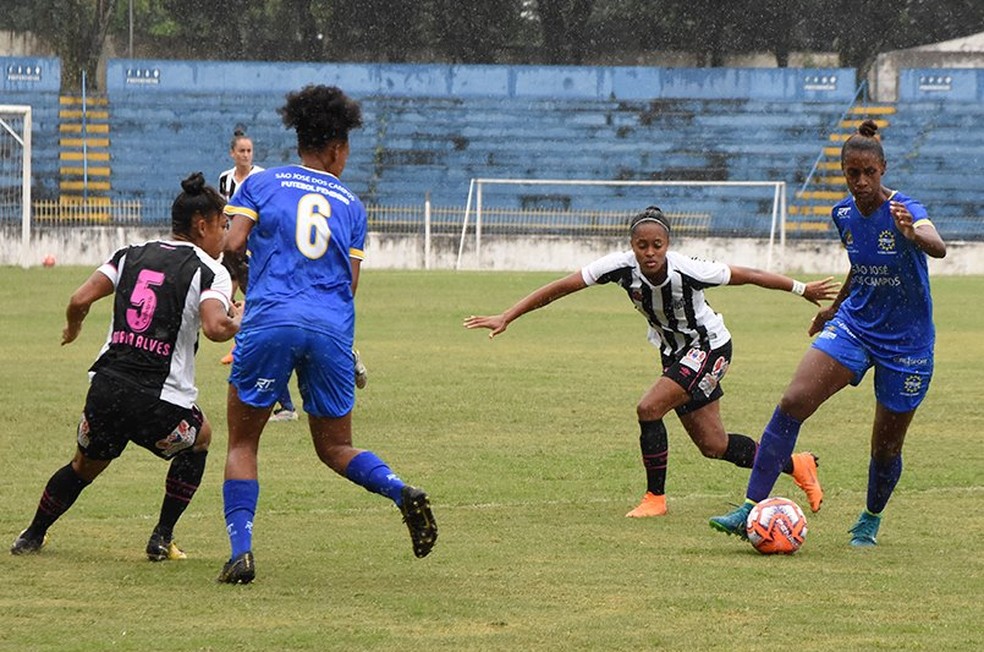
{"x": 575, "y": 210}
{"x": 15, "y": 169}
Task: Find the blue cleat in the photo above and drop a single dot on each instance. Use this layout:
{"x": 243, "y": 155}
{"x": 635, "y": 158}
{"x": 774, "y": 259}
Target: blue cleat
{"x": 734, "y": 522}
{"x": 865, "y": 531}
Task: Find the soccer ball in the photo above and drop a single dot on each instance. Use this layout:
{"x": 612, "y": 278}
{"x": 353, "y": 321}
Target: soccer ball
{"x": 776, "y": 526}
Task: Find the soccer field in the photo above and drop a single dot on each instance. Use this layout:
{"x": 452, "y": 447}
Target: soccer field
{"x": 528, "y": 446}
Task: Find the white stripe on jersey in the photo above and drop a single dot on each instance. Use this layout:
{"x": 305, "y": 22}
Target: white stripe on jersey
{"x": 677, "y": 312}
{"x": 169, "y": 376}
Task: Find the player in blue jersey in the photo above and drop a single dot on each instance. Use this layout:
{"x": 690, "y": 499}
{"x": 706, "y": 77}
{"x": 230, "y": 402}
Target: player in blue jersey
{"x": 305, "y": 232}
{"x": 882, "y": 318}
{"x": 667, "y": 288}
{"x": 142, "y": 386}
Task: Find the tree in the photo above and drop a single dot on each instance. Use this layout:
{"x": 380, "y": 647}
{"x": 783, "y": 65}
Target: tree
{"x": 76, "y": 31}
{"x": 564, "y": 24}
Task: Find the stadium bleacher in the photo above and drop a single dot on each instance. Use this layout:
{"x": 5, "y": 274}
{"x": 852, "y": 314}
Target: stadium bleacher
{"x": 425, "y": 138}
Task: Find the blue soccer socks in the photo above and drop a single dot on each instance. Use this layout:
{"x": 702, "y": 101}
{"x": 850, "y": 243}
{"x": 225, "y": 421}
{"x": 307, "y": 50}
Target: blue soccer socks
{"x": 240, "y": 497}
{"x": 372, "y": 473}
{"x": 882, "y": 478}
{"x": 775, "y": 447}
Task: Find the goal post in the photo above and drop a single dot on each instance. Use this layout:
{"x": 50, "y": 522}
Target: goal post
{"x": 15, "y": 170}
{"x": 594, "y": 207}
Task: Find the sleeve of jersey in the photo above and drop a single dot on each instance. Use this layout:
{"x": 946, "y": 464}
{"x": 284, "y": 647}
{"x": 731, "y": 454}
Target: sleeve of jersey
{"x": 600, "y": 271}
{"x": 220, "y": 287}
{"x": 709, "y": 273}
{"x": 111, "y": 268}
{"x": 920, "y": 215}
{"x": 242, "y": 202}
{"x": 359, "y": 228}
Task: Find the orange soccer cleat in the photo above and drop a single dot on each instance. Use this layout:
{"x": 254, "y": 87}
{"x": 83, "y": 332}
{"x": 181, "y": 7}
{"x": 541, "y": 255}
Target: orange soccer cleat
{"x": 806, "y": 478}
{"x": 651, "y": 505}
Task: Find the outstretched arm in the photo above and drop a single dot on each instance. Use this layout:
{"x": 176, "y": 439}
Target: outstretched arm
{"x": 95, "y": 288}
{"x": 537, "y": 299}
{"x": 814, "y": 291}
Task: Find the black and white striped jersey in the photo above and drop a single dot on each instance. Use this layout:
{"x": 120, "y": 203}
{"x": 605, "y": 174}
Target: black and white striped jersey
{"x": 227, "y": 181}
{"x": 679, "y": 316}
{"x": 153, "y": 334}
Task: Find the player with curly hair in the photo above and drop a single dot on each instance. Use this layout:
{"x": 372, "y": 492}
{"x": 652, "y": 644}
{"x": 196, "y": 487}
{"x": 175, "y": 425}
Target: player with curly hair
{"x": 305, "y": 231}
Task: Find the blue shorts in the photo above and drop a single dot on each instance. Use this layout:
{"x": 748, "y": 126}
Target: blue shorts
{"x": 901, "y": 379}
{"x": 324, "y": 364}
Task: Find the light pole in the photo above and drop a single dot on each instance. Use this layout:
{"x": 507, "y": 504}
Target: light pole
{"x": 130, "y": 48}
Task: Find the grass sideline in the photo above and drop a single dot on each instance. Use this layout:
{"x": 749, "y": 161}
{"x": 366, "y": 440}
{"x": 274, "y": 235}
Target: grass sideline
{"x": 529, "y": 448}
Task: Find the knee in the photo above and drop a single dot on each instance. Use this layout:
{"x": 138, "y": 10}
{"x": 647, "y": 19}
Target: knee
{"x": 336, "y": 457}
{"x": 650, "y": 410}
{"x": 204, "y": 438}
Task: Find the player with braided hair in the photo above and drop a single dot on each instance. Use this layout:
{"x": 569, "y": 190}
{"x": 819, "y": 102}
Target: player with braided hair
{"x": 882, "y": 318}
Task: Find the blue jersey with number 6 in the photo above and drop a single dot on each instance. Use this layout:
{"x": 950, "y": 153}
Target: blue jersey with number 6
{"x": 307, "y": 228}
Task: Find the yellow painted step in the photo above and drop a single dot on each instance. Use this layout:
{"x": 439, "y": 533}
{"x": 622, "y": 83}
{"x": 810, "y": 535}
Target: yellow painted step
{"x": 828, "y": 195}
{"x": 93, "y": 156}
{"x": 94, "y": 170}
{"x": 94, "y": 186}
{"x": 66, "y": 100}
{"x": 837, "y": 180}
{"x": 872, "y": 110}
{"x": 839, "y": 138}
{"x": 87, "y": 142}
{"x": 810, "y": 210}
{"x": 78, "y": 114}
{"x": 829, "y": 165}
{"x": 76, "y": 128}
{"x": 832, "y": 151}
{"x": 812, "y": 227}
{"x": 853, "y": 124}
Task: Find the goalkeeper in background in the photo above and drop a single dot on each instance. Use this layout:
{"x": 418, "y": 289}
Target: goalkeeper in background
{"x": 667, "y": 288}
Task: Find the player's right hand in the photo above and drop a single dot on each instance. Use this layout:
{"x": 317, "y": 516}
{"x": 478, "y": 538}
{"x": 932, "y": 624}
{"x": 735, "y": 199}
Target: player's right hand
{"x": 495, "y": 323}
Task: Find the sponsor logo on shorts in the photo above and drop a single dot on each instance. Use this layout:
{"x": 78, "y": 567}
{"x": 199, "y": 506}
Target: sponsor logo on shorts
{"x": 906, "y": 361}
{"x": 829, "y": 332}
{"x": 183, "y": 436}
{"x": 82, "y": 435}
{"x": 710, "y": 381}
{"x": 912, "y": 385}
{"x": 694, "y": 358}
{"x": 264, "y": 384}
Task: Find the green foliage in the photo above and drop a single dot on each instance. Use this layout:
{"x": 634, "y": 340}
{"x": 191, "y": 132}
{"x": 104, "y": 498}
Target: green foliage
{"x": 528, "y": 446}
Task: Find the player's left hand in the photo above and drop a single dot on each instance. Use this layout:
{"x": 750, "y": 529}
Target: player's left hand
{"x": 822, "y": 290}
{"x": 903, "y": 219}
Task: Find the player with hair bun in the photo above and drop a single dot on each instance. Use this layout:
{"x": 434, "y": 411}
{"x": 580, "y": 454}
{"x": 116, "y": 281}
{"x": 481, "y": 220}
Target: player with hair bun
{"x": 305, "y": 232}
{"x": 142, "y": 386}
{"x": 882, "y": 318}
{"x": 667, "y": 288}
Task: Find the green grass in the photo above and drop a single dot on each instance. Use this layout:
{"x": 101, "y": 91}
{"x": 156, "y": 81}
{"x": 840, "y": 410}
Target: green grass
{"x": 528, "y": 446}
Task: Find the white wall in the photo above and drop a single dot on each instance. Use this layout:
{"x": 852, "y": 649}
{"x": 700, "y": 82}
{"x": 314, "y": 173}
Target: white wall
{"x": 91, "y": 246}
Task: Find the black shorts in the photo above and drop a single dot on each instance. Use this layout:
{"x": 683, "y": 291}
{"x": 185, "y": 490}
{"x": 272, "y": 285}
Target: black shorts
{"x": 699, "y": 371}
{"x": 117, "y": 412}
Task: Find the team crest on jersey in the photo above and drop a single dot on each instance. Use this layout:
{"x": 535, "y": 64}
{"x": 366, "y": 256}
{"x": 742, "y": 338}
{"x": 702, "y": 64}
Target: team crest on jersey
{"x": 886, "y": 241}
{"x": 848, "y": 237}
{"x": 183, "y": 436}
{"x": 912, "y": 385}
{"x": 694, "y": 358}
{"x": 82, "y": 434}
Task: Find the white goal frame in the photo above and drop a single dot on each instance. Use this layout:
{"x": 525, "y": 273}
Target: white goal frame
{"x": 24, "y": 140}
{"x": 476, "y": 186}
